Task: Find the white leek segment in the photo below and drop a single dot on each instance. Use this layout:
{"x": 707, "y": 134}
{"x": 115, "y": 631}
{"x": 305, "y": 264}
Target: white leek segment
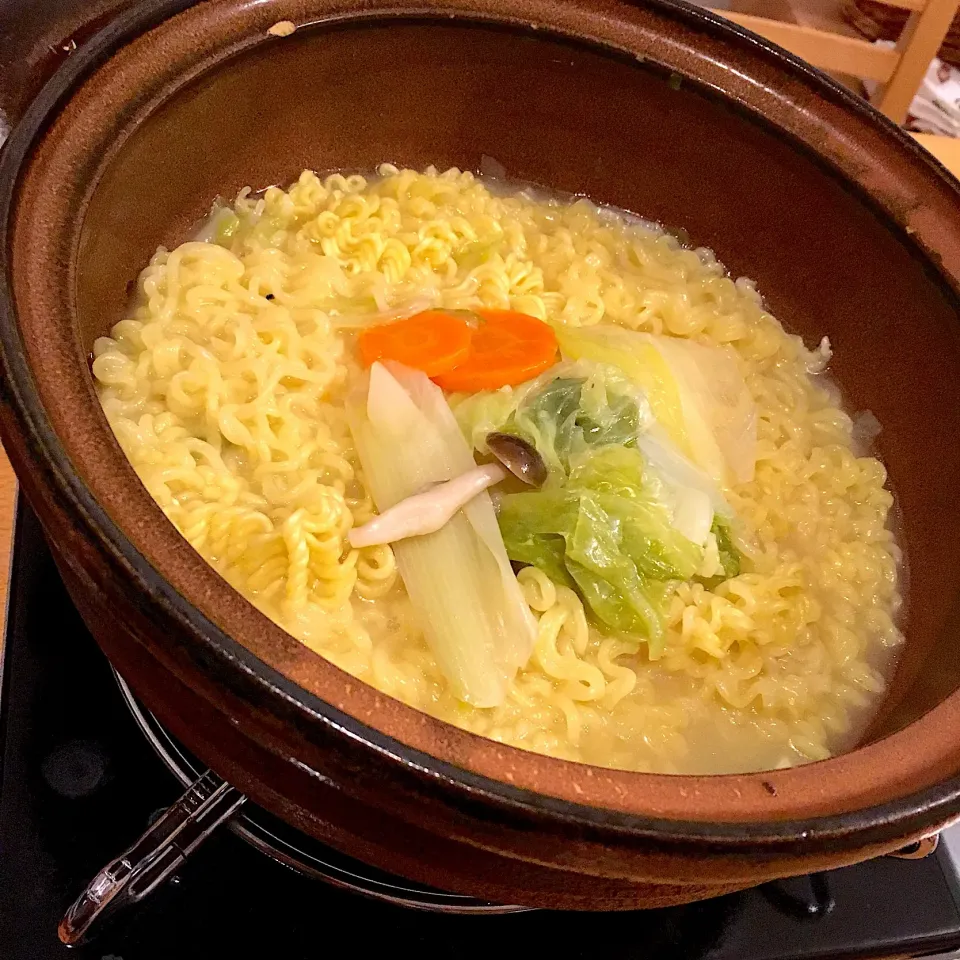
{"x": 426, "y": 512}
{"x": 458, "y": 578}
{"x": 697, "y": 393}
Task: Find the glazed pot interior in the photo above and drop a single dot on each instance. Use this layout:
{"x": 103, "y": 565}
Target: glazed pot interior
{"x": 573, "y": 116}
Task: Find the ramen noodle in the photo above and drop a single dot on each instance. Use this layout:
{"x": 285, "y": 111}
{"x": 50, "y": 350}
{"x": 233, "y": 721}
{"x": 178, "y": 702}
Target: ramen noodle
{"x": 226, "y": 388}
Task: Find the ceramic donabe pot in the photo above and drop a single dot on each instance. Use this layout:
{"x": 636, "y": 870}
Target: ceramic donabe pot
{"x": 849, "y": 228}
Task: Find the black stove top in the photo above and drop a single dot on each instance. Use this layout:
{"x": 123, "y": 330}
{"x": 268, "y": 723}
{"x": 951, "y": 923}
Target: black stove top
{"x": 79, "y": 783}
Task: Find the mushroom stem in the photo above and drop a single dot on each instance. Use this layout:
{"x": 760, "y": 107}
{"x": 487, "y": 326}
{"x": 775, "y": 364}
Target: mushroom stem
{"x": 426, "y": 512}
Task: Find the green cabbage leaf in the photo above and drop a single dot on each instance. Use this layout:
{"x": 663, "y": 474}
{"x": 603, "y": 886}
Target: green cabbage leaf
{"x": 604, "y": 532}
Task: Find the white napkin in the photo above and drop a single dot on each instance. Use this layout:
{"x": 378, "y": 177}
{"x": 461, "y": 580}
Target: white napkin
{"x": 936, "y": 106}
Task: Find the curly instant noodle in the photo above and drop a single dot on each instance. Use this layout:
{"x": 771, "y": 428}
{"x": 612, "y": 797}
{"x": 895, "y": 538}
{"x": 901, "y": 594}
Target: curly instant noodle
{"x": 225, "y": 388}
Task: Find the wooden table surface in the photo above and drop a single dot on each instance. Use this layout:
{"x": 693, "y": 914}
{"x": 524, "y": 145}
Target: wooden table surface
{"x": 945, "y": 149}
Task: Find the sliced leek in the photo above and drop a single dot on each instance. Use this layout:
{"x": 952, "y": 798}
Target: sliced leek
{"x": 458, "y": 578}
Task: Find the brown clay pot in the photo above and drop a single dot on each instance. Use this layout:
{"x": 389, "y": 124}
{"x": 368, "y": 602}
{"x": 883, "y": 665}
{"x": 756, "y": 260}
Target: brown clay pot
{"x": 850, "y": 229}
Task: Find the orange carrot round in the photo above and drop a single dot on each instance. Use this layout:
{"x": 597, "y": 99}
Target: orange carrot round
{"x": 432, "y": 341}
{"x": 507, "y": 348}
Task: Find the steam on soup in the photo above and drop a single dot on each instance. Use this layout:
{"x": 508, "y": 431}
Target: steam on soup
{"x": 641, "y": 534}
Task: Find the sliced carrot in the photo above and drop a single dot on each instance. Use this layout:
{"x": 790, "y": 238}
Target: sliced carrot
{"x": 507, "y": 348}
{"x": 432, "y": 341}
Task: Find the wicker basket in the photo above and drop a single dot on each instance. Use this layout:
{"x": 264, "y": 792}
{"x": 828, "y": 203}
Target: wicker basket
{"x": 877, "y": 21}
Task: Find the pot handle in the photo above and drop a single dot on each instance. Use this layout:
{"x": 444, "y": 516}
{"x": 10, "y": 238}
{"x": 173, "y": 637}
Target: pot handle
{"x": 918, "y": 849}
{"x": 162, "y": 848}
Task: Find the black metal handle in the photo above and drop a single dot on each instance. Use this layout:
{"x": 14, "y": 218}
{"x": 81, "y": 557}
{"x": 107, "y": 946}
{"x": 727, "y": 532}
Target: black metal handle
{"x": 141, "y": 868}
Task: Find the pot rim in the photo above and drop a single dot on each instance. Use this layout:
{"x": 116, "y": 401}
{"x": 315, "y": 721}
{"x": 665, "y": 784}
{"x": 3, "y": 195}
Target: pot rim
{"x": 880, "y": 822}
